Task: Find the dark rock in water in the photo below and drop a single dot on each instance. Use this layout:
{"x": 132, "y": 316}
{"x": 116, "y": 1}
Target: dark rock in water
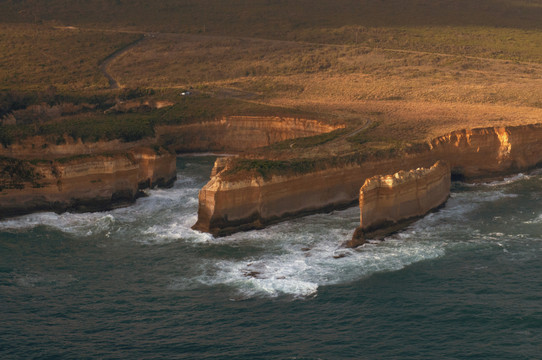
{"x": 254, "y": 274}
{"x": 358, "y": 239}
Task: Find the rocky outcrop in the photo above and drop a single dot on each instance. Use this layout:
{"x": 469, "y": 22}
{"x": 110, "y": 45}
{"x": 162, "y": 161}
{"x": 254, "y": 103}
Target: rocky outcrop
{"x": 388, "y": 202}
{"x": 88, "y": 183}
{"x": 238, "y": 133}
{"x": 228, "y": 205}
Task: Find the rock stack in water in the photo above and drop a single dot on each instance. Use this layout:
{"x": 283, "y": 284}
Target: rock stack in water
{"x": 389, "y": 202}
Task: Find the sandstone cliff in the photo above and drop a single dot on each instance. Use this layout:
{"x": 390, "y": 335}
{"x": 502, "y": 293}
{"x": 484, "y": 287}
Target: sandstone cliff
{"x": 92, "y": 182}
{"x": 490, "y": 151}
{"x": 228, "y": 205}
{"x": 230, "y": 133}
{"x": 388, "y": 202}
{"x": 88, "y": 183}
{"x": 237, "y": 133}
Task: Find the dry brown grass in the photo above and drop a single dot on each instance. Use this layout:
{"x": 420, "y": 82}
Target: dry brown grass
{"x": 411, "y": 95}
{"x": 298, "y": 69}
{"x": 412, "y": 83}
{"x": 34, "y": 57}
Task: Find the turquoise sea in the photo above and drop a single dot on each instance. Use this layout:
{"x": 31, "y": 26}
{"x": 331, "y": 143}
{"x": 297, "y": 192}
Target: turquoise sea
{"x": 138, "y": 283}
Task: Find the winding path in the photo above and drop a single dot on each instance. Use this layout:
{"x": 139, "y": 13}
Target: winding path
{"x": 113, "y": 83}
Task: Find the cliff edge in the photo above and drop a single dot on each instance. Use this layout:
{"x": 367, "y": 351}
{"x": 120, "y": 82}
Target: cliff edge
{"x": 83, "y": 182}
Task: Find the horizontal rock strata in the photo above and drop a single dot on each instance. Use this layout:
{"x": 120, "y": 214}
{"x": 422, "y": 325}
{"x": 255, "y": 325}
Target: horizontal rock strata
{"x": 96, "y": 182}
{"x": 88, "y": 183}
{"x": 387, "y": 202}
{"x": 238, "y": 133}
{"x": 228, "y": 205}
{"x": 229, "y": 133}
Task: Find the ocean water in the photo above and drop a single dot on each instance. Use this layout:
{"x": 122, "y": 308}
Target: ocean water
{"x": 137, "y": 282}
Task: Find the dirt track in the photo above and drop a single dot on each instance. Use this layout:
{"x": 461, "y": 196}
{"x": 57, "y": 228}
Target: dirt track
{"x": 114, "y": 84}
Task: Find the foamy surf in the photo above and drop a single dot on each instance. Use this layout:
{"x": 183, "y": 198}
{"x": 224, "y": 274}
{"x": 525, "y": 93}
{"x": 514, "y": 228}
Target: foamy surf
{"x": 164, "y": 214}
{"x": 294, "y": 258}
{"x": 536, "y": 173}
{"x": 298, "y": 257}
{"x": 299, "y": 273}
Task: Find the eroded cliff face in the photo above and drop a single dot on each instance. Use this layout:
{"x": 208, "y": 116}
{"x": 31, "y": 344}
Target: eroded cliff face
{"x": 88, "y": 183}
{"x": 155, "y": 169}
{"x": 228, "y": 205}
{"x": 490, "y": 151}
{"x": 237, "y": 133}
{"x": 95, "y": 182}
{"x": 387, "y": 202}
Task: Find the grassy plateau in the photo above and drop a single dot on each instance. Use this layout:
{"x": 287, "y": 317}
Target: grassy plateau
{"x": 395, "y": 72}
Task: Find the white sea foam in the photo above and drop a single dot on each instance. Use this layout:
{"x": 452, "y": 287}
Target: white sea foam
{"x": 507, "y": 180}
{"x": 300, "y": 272}
{"x": 503, "y": 182}
{"x": 164, "y": 215}
{"x": 301, "y": 255}
{"x": 536, "y": 220}
{"x": 77, "y": 224}
{"x": 295, "y": 258}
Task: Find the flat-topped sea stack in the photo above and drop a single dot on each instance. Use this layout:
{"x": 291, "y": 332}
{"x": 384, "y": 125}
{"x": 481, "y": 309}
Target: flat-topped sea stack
{"x": 389, "y": 202}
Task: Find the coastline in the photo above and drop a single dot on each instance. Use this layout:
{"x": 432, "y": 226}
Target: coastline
{"x": 252, "y": 201}
{"x": 86, "y": 182}
{"x": 228, "y": 204}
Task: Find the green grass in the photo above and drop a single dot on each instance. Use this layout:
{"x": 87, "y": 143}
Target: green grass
{"x": 14, "y": 173}
{"x": 94, "y": 125}
{"x": 267, "y": 168}
{"x": 201, "y": 107}
{"x": 370, "y": 151}
{"x": 88, "y": 128}
{"x": 297, "y": 166}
